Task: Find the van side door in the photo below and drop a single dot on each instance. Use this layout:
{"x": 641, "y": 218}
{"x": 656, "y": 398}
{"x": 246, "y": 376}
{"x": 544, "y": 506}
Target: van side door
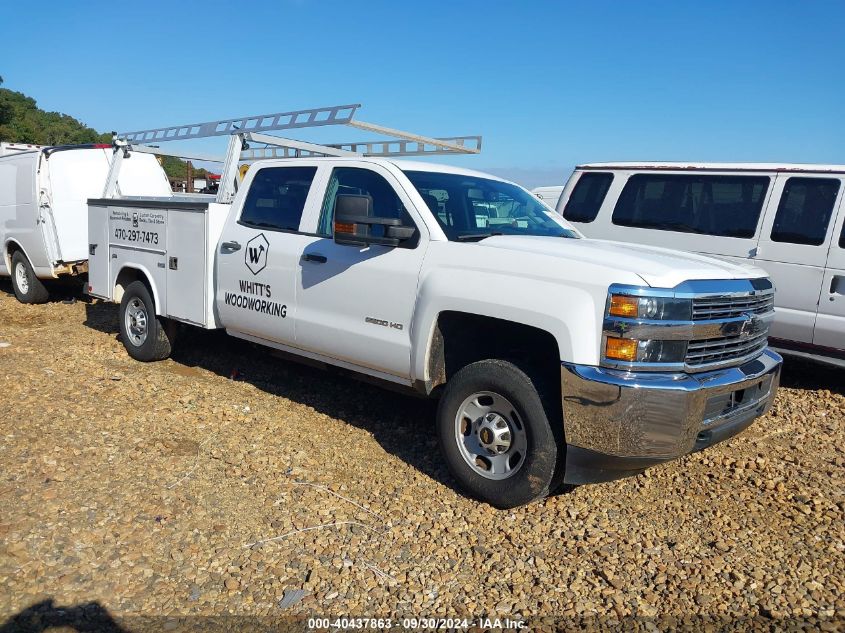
{"x": 793, "y": 248}
{"x": 830, "y": 322}
{"x": 258, "y": 253}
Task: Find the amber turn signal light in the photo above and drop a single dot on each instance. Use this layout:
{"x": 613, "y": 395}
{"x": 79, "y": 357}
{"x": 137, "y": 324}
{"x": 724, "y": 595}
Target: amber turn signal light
{"x": 621, "y": 349}
{"x": 624, "y": 306}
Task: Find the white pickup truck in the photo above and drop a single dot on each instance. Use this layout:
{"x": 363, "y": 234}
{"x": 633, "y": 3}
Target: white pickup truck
{"x": 555, "y": 358}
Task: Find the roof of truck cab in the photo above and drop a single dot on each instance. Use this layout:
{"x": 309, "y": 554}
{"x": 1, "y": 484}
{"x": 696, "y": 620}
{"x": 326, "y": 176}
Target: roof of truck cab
{"x": 414, "y": 165}
{"x": 693, "y": 166}
{"x": 404, "y": 165}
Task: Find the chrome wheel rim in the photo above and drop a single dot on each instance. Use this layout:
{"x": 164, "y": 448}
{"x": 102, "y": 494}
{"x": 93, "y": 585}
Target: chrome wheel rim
{"x": 491, "y": 435}
{"x": 22, "y": 279}
{"x": 136, "y": 321}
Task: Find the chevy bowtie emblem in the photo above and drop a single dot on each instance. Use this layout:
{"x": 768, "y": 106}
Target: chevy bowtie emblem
{"x": 748, "y": 326}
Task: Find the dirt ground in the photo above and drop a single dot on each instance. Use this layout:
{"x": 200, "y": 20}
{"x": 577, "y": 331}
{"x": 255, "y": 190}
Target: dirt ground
{"x": 229, "y": 482}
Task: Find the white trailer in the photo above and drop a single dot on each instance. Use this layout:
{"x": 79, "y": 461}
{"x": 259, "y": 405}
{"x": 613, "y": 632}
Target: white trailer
{"x": 43, "y": 208}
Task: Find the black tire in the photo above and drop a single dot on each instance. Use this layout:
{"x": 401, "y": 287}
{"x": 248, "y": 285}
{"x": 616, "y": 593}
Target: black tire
{"x": 158, "y": 333}
{"x": 33, "y": 290}
{"x": 541, "y": 463}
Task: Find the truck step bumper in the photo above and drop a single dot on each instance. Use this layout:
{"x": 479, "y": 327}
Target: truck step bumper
{"x": 619, "y": 423}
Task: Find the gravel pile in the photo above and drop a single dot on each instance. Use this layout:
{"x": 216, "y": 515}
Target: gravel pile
{"x": 228, "y": 481}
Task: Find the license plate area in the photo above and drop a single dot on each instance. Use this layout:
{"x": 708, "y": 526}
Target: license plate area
{"x": 722, "y": 407}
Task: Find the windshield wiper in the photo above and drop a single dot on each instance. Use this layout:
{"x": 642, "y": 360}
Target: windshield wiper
{"x": 469, "y": 237}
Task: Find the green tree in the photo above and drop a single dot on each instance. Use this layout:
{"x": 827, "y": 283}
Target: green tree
{"x": 22, "y": 121}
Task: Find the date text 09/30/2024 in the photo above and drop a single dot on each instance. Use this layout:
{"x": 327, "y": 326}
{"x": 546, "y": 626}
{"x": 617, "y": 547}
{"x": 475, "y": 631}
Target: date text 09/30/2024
{"x": 412, "y": 624}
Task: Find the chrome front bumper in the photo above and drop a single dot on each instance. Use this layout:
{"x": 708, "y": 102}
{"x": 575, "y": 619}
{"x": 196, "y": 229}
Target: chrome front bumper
{"x": 618, "y": 423}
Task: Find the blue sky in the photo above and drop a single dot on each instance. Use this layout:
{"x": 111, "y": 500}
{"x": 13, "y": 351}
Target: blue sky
{"x": 548, "y": 84}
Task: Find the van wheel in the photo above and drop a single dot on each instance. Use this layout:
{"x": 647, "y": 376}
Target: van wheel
{"x": 145, "y": 336}
{"x": 495, "y": 434}
{"x": 28, "y": 288}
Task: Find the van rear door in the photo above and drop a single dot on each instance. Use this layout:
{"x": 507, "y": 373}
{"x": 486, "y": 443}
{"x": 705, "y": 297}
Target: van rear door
{"x": 793, "y": 248}
{"x": 75, "y": 176}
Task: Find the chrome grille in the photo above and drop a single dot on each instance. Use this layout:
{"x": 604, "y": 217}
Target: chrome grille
{"x": 718, "y": 350}
{"x": 707, "y": 308}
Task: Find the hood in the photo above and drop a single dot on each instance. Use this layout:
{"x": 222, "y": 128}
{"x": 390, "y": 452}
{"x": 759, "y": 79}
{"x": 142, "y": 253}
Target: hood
{"x": 658, "y": 267}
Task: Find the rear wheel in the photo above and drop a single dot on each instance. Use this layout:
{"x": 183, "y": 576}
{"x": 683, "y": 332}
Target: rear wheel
{"x": 496, "y": 436}
{"x": 145, "y": 336}
{"x": 28, "y": 288}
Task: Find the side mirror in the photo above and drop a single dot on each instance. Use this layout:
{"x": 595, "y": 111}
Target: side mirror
{"x": 353, "y": 223}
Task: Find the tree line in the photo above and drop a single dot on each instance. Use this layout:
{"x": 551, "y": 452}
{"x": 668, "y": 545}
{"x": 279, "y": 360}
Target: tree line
{"x": 22, "y": 121}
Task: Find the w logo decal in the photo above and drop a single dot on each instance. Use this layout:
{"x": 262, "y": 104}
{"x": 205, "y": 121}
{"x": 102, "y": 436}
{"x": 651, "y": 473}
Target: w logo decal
{"x": 255, "y": 257}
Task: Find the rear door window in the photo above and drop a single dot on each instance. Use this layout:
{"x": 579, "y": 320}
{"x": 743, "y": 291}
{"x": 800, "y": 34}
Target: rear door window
{"x": 805, "y": 209}
{"x": 587, "y": 197}
{"x": 276, "y": 198}
{"x": 725, "y": 206}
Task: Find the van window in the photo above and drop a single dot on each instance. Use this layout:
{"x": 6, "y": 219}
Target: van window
{"x": 276, "y": 198}
{"x": 725, "y": 206}
{"x": 587, "y": 197}
{"x": 804, "y": 211}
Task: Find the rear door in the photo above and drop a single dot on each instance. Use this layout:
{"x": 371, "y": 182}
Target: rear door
{"x": 259, "y": 250}
{"x": 830, "y": 322}
{"x": 793, "y": 249}
{"x": 74, "y": 177}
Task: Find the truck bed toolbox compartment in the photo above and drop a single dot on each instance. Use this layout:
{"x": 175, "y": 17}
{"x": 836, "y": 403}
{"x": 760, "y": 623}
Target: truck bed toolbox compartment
{"x": 171, "y": 241}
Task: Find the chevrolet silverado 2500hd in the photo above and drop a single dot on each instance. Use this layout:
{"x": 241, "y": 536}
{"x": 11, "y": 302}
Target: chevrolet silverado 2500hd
{"x": 555, "y": 358}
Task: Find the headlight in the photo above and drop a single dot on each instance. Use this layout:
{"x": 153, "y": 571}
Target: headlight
{"x": 650, "y": 308}
{"x": 642, "y": 328}
{"x": 630, "y": 350}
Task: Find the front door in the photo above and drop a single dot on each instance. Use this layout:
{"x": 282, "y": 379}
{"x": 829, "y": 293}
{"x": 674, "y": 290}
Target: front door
{"x": 830, "y": 322}
{"x": 258, "y": 253}
{"x": 793, "y": 249}
{"x": 356, "y": 304}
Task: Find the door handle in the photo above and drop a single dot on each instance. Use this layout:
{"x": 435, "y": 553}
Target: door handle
{"x": 837, "y": 285}
{"x": 230, "y": 247}
{"x": 315, "y": 257}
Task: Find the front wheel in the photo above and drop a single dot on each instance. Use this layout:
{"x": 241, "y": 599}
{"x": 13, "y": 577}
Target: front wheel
{"x": 495, "y": 434}
{"x": 145, "y": 336}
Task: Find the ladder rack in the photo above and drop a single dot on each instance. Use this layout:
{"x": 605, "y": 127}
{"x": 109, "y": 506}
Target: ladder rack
{"x": 315, "y": 117}
{"x": 244, "y": 130}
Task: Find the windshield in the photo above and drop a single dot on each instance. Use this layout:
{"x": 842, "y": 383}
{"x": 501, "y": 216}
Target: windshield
{"x": 470, "y": 208}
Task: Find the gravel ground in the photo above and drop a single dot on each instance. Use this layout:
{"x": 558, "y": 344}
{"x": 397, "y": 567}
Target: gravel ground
{"x": 225, "y": 480}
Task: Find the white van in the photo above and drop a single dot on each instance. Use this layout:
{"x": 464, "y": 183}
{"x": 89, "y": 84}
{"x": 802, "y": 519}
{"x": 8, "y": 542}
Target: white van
{"x": 44, "y": 195}
{"x": 549, "y": 195}
{"x": 788, "y": 219}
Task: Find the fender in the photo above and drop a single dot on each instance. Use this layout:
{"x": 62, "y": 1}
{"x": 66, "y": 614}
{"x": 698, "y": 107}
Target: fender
{"x": 142, "y": 270}
{"x": 569, "y": 313}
